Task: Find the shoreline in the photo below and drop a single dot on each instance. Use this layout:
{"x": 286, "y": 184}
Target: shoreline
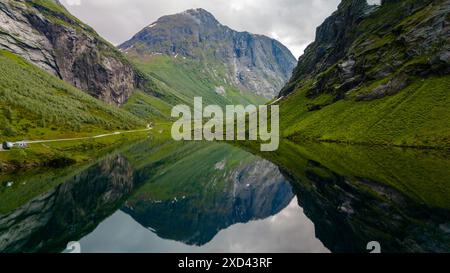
{"x": 58, "y": 153}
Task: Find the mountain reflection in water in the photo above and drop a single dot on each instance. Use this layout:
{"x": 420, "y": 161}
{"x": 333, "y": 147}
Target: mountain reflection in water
{"x": 212, "y": 197}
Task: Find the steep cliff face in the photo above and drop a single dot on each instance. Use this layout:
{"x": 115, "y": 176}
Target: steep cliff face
{"x": 360, "y": 43}
{"x": 247, "y": 61}
{"x": 332, "y": 39}
{"x": 44, "y": 33}
{"x": 368, "y": 61}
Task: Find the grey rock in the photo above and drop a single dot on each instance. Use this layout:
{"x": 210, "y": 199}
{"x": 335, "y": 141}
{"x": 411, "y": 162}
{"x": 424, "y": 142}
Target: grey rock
{"x": 60, "y": 44}
{"x": 220, "y": 90}
{"x": 392, "y": 87}
{"x": 414, "y": 40}
{"x": 332, "y": 39}
{"x": 347, "y": 68}
{"x": 253, "y": 62}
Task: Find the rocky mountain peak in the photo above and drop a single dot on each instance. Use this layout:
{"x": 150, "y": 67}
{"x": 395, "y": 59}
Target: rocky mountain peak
{"x": 361, "y": 43}
{"x": 252, "y": 62}
{"x": 353, "y": 4}
{"x": 348, "y": 14}
{"x": 332, "y": 38}
{"x": 202, "y": 16}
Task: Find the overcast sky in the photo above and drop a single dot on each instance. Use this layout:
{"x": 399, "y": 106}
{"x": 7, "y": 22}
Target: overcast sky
{"x": 292, "y": 22}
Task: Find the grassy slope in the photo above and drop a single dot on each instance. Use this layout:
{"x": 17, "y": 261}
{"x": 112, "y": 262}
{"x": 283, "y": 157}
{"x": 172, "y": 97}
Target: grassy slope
{"x": 182, "y": 79}
{"x": 148, "y": 107}
{"x": 417, "y": 116}
{"x": 35, "y": 104}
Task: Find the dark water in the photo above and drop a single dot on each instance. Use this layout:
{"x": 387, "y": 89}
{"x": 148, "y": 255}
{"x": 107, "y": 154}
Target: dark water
{"x": 211, "y": 197}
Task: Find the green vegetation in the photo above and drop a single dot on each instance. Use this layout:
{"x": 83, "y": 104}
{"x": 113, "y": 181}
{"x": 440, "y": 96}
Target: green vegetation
{"x": 181, "y": 79}
{"x": 64, "y": 153}
{"x": 396, "y": 92}
{"x": 187, "y": 169}
{"x": 37, "y": 105}
{"x": 421, "y": 175}
{"x": 148, "y": 107}
{"x": 28, "y": 183}
{"x": 417, "y": 116}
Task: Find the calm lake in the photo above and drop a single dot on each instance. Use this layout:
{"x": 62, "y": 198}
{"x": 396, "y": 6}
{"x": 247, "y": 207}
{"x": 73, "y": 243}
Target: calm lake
{"x": 214, "y": 197}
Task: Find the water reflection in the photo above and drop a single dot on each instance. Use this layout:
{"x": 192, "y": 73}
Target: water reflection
{"x": 210, "y": 197}
{"x": 400, "y": 198}
{"x": 288, "y": 231}
{"x": 207, "y": 190}
{"x": 68, "y": 211}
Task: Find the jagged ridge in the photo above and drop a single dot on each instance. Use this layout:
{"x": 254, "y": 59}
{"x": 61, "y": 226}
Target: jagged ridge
{"x": 247, "y": 61}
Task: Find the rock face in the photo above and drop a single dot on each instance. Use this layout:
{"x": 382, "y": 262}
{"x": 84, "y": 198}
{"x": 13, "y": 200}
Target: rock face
{"x": 252, "y": 62}
{"x": 361, "y": 44}
{"x": 44, "y": 33}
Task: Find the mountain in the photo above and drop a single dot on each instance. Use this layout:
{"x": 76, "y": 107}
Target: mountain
{"x": 35, "y": 104}
{"x": 223, "y": 59}
{"x": 44, "y": 33}
{"x": 59, "y": 78}
{"x": 375, "y": 74}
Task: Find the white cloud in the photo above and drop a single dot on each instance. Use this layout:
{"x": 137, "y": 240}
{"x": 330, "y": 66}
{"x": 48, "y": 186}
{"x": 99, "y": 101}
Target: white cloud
{"x": 292, "y": 22}
{"x": 72, "y": 2}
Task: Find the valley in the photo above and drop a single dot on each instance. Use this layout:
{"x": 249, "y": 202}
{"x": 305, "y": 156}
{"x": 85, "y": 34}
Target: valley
{"x": 99, "y": 89}
{"x": 361, "y": 154}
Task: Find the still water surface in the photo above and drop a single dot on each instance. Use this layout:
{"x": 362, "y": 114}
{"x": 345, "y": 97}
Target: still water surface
{"x": 211, "y": 197}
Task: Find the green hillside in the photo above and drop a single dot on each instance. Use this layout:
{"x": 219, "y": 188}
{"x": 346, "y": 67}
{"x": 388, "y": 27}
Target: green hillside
{"x": 387, "y": 82}
{"x": 417, "y": 116}
{"x": 148, "y": 107}
{"x": 35, "y": 104}
{"x": 181, "y": 79}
